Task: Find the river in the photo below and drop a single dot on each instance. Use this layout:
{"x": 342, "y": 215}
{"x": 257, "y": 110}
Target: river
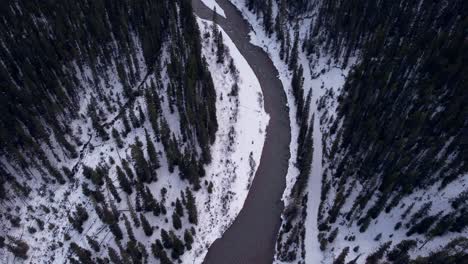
{"x": 252, "y": 236}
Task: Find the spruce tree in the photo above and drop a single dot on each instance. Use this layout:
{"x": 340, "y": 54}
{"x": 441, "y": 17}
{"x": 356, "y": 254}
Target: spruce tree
{"x": 294, "y": 52}
{"x": 128, "y": 227}
{"x": 166, "y": 239}
{"x": 84, "y": 255}
{"x": 179, "y": 208}
{"x": 114, "y": 256}
{"x": 191, "y": 207}
{"x": 127, "y": 169}
{"x": 188, "y": 238}
{"x": 141, "y": 114}
{"x": 111, "y": 187}
{"x": 117, "y": 138}
{"x": 176, "y": 223}
{"x": 147, "y": 228}
{"x": 219, "y": 48}
{"x": 133, "y": 214}
{"x": 152, "y": 154}
{"x": 93, "y": 244}
{"x": 141, "y": 165}
{"x": 178, "y": 248}
{"x": 123, "y": 181}
{"x": 126, "y": 123}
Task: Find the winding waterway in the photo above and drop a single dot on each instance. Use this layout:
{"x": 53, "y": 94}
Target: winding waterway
{"x": 252, "y": 236}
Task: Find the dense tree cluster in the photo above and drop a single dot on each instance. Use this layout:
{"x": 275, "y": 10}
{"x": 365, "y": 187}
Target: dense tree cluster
{"x": 401, "y": 123}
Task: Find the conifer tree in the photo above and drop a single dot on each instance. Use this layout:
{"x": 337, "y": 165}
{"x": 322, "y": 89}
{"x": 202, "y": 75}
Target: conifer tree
{"x": 93, "y": 244}
{"x": 147, "y": 228}
{"x": 133, "y": 119}
{"x": 128, "y": 227}
{"x": 191, "y": 207}
{"x": 166, "y": 239}
{"x": 294, "y": 52}
{"x": 141, "y": 165}
{"x": 133, "y": 214}
{"x": 188, "y": 238}
{"x": 115, "y": 230}
{"x": 126, "y": 123}
{"x": 179, "y": 208}
{"x": 114, "y": 256}
{"x": 123, "y": 181}
{"x": 127, "y": 169}
{"x": 141, "y": 114}
{"x": 83, "y": 255}
{"x": 117, "y": 138}
{"x": 178, "y": 247}
{"x": 219, "y": 48}
{"x": 267, "y": 18}
{"x": 153, "y": 114}
{"x": 152, "y": 154}
{"x": 176, "y": 223}
{"x": 111, "y": 187}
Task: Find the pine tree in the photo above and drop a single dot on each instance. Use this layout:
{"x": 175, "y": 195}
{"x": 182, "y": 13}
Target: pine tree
{"x": 93, "y": 244}
{"x": 123, "y": 181}
{"x": 267, "y": 18}
{"x": 141, "y": 165}
{"x": 214, "y": 26}
{"x": 127, "y": 169}
{"x": 111, "y": 187}
{"x": 179, "y": 208}
{"x": 191, "y": 207}
{"x": 115, "y": 230}
{"x": 133, "y": 119}
{"x": 147, "y": 228}
{"x": 116, "y": 136}
{"x": 178, "y": 248}
{"x": 128, "y": 227}
{"x": 126, "y": 123}
{"x": 83, "y": 255}
{"x": 133, "y": 214}
{"x": 152, "y": 154}
{"x": 342, "y": 257}
{"x": 219, "y": 48}
{"x": 153, "y": 114}
{"x": 159, "y": 252}
{"x": 78, "y": 218}
{"x": 141, "y": 114}
{"x": 166, "y": 239}
{"x": 294, "y": 52}
{"x": 188, "y": 238}
{"x": 102, "y": 133}
{"x": 176, "y": 223}
{"x": 114, "y": 256}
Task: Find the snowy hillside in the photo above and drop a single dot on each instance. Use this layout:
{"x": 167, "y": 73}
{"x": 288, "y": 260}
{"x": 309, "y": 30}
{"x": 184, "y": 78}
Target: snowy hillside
{"x": 136, "y": 190}
{"x": 307, "y": 235}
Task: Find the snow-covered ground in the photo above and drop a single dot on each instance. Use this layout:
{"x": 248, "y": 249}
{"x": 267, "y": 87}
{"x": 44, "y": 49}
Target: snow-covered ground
{"x": 236, "y": 154}
{"x": 325, "y": 76}
{"x": 214, "y": 6}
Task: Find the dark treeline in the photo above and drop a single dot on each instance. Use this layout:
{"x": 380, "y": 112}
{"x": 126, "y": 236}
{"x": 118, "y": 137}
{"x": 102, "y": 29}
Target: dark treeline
{"x": 46, "y": 46}
{"x": 57, "y": 55}
{"x": 403, "y": 110}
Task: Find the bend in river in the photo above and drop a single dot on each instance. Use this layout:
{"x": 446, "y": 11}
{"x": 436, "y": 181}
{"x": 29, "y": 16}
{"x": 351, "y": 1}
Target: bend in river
{"x": 252, "y": 236}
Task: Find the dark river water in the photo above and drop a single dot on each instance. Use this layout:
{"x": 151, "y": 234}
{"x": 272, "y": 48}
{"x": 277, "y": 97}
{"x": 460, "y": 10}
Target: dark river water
{"x": 252, "y": 236}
